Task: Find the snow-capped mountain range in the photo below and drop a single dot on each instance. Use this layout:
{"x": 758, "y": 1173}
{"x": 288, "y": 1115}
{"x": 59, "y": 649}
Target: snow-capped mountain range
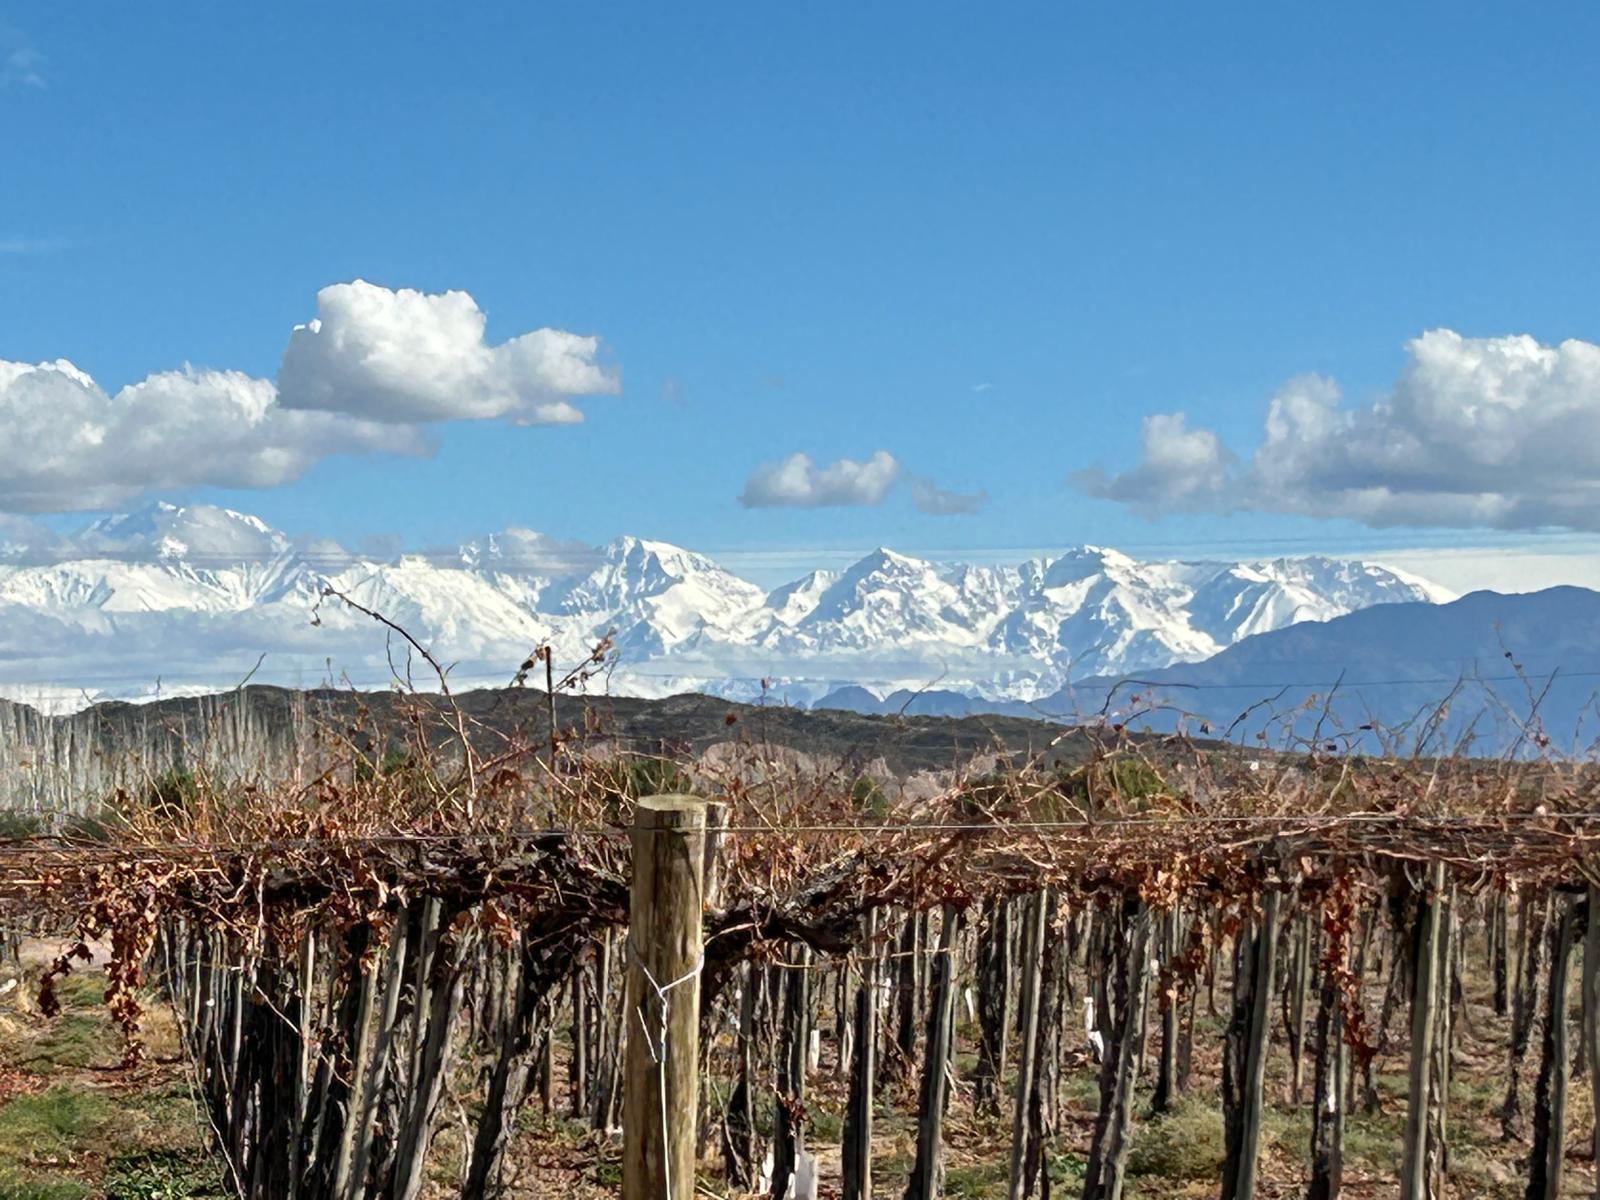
{"x": 169, "y": 599}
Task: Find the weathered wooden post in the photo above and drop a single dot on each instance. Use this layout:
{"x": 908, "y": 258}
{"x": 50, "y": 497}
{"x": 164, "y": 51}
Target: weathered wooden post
{"x": 788, "y": 1131}
{"x": 1439, "y": 1090}
{"x": 1027, "y": 1041}
{"x": 1328, "y": 1090}
{"x": 1533, "y": 919}
{"x": 1424, "y": 999}
{"x": 927, "y": 1172}
{"x": 1265, "y": 966}
{"x": 1106, "y": 1170}
{"x": 1547, "y": 1155}
{"x": 664, "y": 959}
{"x": 993, "y": 984}
{"x": 1498, "y": 936}
{"x": 740, "y": 1149}
{"x": 1302, "y": 954}
{"x": 1167, "y": 1065}
{"x": 1591, "y": 1011}
{"x": 856, "y": 1154}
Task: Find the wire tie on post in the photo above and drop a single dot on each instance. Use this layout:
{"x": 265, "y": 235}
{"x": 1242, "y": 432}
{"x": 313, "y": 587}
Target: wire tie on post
{"x": 658, "y": 1051}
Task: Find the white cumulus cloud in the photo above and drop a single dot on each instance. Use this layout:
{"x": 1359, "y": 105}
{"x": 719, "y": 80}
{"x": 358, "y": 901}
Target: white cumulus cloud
{"x": 405, "y": 356}
{"x": 1179, "y": 468}
{"x": 797, "y": 482}
{"x": 71, "y": 446}
{"x": 365, "y": 376}
{"x": 1497, "y": 432}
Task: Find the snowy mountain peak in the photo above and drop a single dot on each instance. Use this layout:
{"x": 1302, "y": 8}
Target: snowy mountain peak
{"x": 1434, "y": 593}
{"x": 200, "y": 534}
{"x": 885, "y": 559}
{"x": 1083, "y": 562}
{"x": 658, "y": 556}
{"x": 189, "y": 593}
{"x": 655, "y": 595}
{"x": 794, "y": 601}
{"x": 883, "y": 566}
{"x": 526, "y": 550}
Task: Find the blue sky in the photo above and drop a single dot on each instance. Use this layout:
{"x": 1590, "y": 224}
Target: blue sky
{"x": 987, "y": 241}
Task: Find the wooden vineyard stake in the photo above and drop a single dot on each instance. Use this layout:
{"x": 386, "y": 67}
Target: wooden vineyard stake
{"x": 664, "y": 961}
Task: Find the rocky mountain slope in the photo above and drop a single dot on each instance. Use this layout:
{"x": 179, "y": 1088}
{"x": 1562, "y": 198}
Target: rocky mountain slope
{"x": 1485, "y": 674}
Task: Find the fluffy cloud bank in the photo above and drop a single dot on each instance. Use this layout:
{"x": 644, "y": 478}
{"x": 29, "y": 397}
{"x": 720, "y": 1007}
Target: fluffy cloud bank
{"x": 1498, "y": 432}
{"x": 364, "y": 377}
{"x": 405, "y": 356}
{"x": 1179, "y": 468}
{"x": 797, "y": 482}
{"x": 73, "y": 446}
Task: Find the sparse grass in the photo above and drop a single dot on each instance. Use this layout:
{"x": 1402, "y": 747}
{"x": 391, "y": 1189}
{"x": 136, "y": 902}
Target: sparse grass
{"x": 82, "y": 991}
{"x": 81, "y": 1036}
{"x": 15, "y": 1185}
{"x": 1181, "y": 1145}
{"x": 1373, "y": 1139}
{"x": 975, "y": 1180}
{"x": 73, "y": 1040}
{"x": 50, "y": 1123}
{"x": 1478, "y": 1174}
{"x": 1067, "y": 1170}
{"x": 607, "y": 1173}
{"x": 79, "y": 1129}
{"x": 163, "y": 1175}
{"x": 1082, "y": 1090}
{"x": 826, "y": 1127}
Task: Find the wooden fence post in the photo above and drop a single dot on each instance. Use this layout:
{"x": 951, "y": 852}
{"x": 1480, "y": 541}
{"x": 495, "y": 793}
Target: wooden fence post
{"x": 793, "y": 1042}
{"x": 1248, "y": 1037}
{"x": 1424, "y": 999}
{"x": 1330, "y": 1076}
{"x": 1260, "y": 1039}
{"x": 927, "y": 1172}
{"x": 1591, "y": 1010}
{"x": 1547, "y": 1155}
{"x": 1167, "y": 1065}
{"x": 664, "y": 960}
{"x": 993, "y": 980}
{"x": 1027, "y": 1043}
{"x": 856, "y": 1155}
{"x": 1119, "y": 1071}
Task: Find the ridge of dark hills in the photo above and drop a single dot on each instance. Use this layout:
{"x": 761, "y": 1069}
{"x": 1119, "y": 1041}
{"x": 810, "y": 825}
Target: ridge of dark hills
{"x": 1485, "y": 675}
{"x": 688, "y": 724}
